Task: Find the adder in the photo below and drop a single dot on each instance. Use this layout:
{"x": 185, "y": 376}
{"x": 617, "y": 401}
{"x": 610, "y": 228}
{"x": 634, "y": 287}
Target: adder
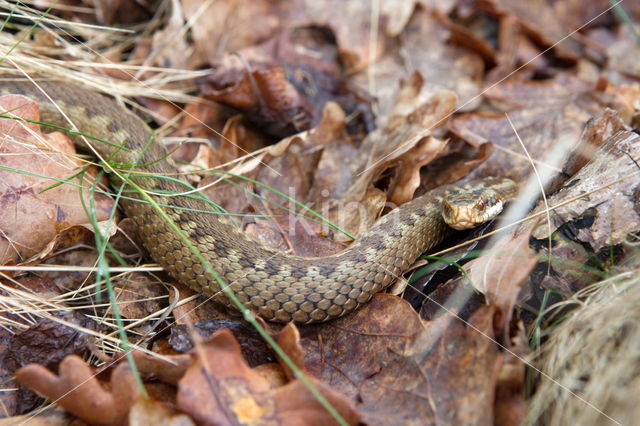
{"x": 277, "y": 286}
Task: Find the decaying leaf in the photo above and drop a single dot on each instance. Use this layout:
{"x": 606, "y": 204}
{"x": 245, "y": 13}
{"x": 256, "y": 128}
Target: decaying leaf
{"x": 32, "y": 162}
{"x": 254, "y": 349}
{"x": 547, "y": 115}
{"x": 595, "y": 133}
{"x": 219, "y": 388}
{"x": 371, "y": 92}
{"x": 47, "y": 342}
{"x": 445, "y": 66}
{"x": 149, "y": 412}
{"x": 549, "y": 23}
{"x": 283, "y": 84}
{"x": 403, "y": 369}
{"x": 500, "y": 273}
{"x": 351, "y": 24}
{"x": 105, "y": 12}
{"x": 78, "y": 390}
{"x": 593, "y": 215}
{"x": 399, "y": 149}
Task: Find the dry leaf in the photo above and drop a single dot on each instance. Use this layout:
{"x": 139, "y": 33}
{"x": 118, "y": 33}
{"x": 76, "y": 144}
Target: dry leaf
{"x": 31, "y": 218}
{"x": 547, "y": 115}
{"x": 500, "y": 273}
{"x": 254, "y": 350}
{"x": 404, "y": 369}
{"x": 283, "y": 84}
{"x": 47, "y": 342}
{"x": 148, "y": 412}
{"x": 219, "y": 388}
{"x": 596, "y": 215}
{"x": 77, "y": 389}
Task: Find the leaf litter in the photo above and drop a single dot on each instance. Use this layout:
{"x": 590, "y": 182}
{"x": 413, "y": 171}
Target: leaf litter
{"x": 349, "y": 117}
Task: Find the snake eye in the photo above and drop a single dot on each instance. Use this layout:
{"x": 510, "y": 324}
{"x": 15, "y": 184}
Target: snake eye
{"x": 481, "y": 206}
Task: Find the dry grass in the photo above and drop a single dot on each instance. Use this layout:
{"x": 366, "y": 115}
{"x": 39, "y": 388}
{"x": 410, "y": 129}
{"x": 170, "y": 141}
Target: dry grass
{"x": 594, "y": 357}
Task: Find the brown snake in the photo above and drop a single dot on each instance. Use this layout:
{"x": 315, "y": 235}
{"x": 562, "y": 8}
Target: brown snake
{"x": 277, "y": 286}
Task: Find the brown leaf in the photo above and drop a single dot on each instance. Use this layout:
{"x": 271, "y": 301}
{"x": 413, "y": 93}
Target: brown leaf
{"x": 169, "y": 47}
{"x": 621, "y": 54}
{"x": 254, "y": 349}
{"x": 399, "y": 150}
{"x": 595, "y": 214}
{"x": 30, "y": 218}
{"x": 626, "y": 101}
{"x": 444, "y": 66}
{"x": 105, "y": 12}
{"x": 273, "y": 373}
{"x": 79, "y": 392}
{"x": 283, "y": 84}
{"x": 168, "y": 370}
{"x": 219, "y": 388}
{"x": 311, "y": 162}
{"x": 457, "y": 295}
{"x": 501, "y": 272}
{"x": 56, "y": 417}
{"x": 11, "y": 401}
{"x": 351, "y": 24}
{"x": 404, "y": 369}
{"x": 47, "y": 342}
{"x": 458, "y": 160}
{"x": 510, "y": 406}
{"x": 595, "y": 133}
{"x": 197, "y": 307}
{"x": 289, "y": 341}
{"x": 148, "y": 412}
{"x": 228, "y": 26}
{"x": 549, "y": 23}
{"x": 546, "y": 115}
{"x": 430, "y": 47}
{"x": 138, "y": 296}
{"x": 41, "y": 340}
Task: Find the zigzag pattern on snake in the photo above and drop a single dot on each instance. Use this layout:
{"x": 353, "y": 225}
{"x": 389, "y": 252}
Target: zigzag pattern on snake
{"x": 277, "y": 286}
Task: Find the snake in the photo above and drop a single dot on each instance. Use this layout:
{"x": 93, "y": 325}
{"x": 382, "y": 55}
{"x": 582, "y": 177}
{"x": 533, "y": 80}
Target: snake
{"x": 275, "y": 285}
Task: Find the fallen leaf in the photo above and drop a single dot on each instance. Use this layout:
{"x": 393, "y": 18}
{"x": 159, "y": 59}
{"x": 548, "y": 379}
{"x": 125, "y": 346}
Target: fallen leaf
{"x": 501, "y": 272}
{"x": 283, "y": 84}
{"x": 510, "y": 405}
{"x": 596, "y": 131}
{"x": 289, "y": 341}
{"x": 148, "y": 412}
{"x": 105, "y": 12}
{"x": 405, "y": 370}
{"x": 219, "y": 26}
{"x": 443, "y": 65}
{"x": 169, "y": 47}
{"x": 594, "y": 215}
{"x": 47, "y": 342}
{"x": 219, "y": 388}
{"x": 57, "y": 417}
{"x": 547, "y": 115}
{"x": 77, "y": 390}
{"x": 429, "y": 46}
{"x": 138, "y": 296}
{"x": 549, "y": 23}
{"x": 254, "y": 349}
{"x": 352, "y": 24}
{"x": 31, "y": 218}
{"x": 168, "y": 369}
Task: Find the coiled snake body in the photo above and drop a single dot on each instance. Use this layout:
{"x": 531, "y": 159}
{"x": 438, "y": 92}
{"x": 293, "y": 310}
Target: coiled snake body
{"x": 277, "y": 286}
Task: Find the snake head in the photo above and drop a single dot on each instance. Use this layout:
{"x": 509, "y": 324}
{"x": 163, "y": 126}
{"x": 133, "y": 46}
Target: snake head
{"x": 474, "y": 204}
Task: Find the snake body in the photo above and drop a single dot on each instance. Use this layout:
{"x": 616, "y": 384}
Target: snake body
{"x": 277, "y": 286}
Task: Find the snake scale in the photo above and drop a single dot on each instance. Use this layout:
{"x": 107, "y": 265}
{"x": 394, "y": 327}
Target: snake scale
{"x": 277, "y": 286}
